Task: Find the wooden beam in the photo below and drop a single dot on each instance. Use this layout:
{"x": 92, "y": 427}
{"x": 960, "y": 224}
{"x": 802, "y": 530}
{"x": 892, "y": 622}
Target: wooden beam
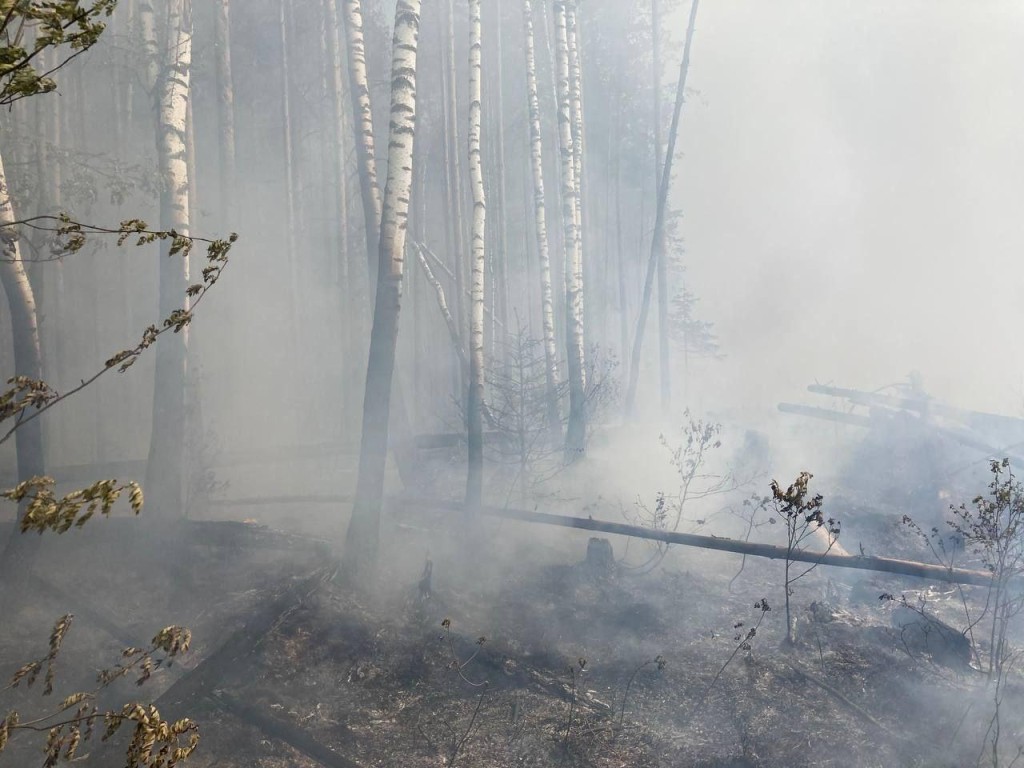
{"x": 771, "y": 551}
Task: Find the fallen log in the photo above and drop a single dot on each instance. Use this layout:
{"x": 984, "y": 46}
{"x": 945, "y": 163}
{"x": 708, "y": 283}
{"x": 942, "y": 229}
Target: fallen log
{"x": 770, "y": 551}
{"x": 281, "y": 730}
{"x": 921, "y": 404}
{"x": 959, "y": 435}
{"x": 200, "y": 683}
{"x": 853, "y": 419}
{"x": 203, "y": 679}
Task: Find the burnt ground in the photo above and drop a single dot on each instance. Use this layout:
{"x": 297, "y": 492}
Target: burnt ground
{"x": 387, "y": 681}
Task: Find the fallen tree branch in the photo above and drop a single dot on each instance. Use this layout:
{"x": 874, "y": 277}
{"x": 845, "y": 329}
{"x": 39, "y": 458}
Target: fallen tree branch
{"x": 771, "y": 551}
{"x": 203, "y": 679}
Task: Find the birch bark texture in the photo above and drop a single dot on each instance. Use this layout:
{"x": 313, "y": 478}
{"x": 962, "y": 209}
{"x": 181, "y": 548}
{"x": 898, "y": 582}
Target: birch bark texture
{"x": 657, "y": 241}
{"x": 165, "y": 476}
{"x": 474, "y": 405}
{"x": 363, "y": 538}
{"x": 575, "y": 435}
{"x": 541, "y": 228}
{"x": 455, "y": 188}
{"x": 28, "y": 361}
{"x": 362, "y": 115}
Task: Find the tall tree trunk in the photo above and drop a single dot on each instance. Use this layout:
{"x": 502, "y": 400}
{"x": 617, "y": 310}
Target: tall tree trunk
{"x": 226, "y": 108}
{"x": 363, "y": 539}
{"x": 540, "y": 221}
{"x": 340, "y": 158}
{"x": 474, "y": 407}
{"x": 362, "y": 117}
{"x": 575, "y": 436}
{"x": 165, "y": 466}
{"x": 576, "y": 107}
{"x": 502, "y": 293}
{"x": 452, "y": 227}
{"x": 623, "y": 273}
{"x": 657, "y": 240}
{"x": 291, "y": 225}
{"x": 457, "y": 211}
{"x": 663, "y": 346}
{"x": 150, "y": 47}
{"x": 28, "y": 361}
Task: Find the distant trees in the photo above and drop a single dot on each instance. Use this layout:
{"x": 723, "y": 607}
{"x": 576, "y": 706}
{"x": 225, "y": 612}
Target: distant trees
{"x": 165, "y": 469}
{"x": 575, "y": 436}
{"x": 540, "y": 225}
{"x": 658, "y": 239}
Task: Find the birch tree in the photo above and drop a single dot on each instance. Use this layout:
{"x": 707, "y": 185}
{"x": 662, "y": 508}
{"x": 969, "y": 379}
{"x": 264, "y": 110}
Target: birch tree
{"x": 474, "y": 408}
{"x": 165, "y": 465}
{"x": 362, "y": 115}
{"x": 658, "y": 240}
{"x": 540, "y": 226}
{"x": 456, "y": 196}
{"x": 575, "y": 437}
{"x": 28, "y": 360}
{"x": 363, "y": 538}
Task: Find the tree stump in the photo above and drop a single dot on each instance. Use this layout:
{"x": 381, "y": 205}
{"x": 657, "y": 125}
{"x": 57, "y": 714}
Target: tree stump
{"x": 600, "y": 559}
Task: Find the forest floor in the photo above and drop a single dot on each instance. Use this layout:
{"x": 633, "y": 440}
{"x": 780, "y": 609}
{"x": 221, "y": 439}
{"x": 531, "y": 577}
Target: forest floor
{"x": 526, "y": 655}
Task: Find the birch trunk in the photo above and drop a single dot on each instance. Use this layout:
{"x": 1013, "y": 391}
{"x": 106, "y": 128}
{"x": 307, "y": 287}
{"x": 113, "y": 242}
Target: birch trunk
{"x": 362, "y": 115}
{"x": 165, "y": 466}
{"x": 659, "y": 219}
{"x": 575, "y": 436}
{"x": 457, "y": 212}
{"x": 663, "y": 346}
{"x": 226, "y": 107}
{"x": 576, "y": 107}
{"x": 363, "y": 538}
{"x": 502, "y": 292}
{"x": 28, "y": 361}
{"x": 540, "y": 222}
{"x": 474, "y": 407}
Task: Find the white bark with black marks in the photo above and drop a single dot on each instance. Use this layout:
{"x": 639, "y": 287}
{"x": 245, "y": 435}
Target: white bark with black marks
{"x": 541, "y": 227}
{"x": 575, "y": 436}
{"x": 474, "y": 404}
{"x": 363, "y": 539}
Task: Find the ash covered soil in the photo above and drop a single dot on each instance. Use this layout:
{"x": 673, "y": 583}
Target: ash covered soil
{"x": 527, "y": 655}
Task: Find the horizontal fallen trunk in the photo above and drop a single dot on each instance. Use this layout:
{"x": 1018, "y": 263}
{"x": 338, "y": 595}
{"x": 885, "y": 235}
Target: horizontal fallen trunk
{"x": 771, "y": 551}
{"x": 204, "y": 679}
